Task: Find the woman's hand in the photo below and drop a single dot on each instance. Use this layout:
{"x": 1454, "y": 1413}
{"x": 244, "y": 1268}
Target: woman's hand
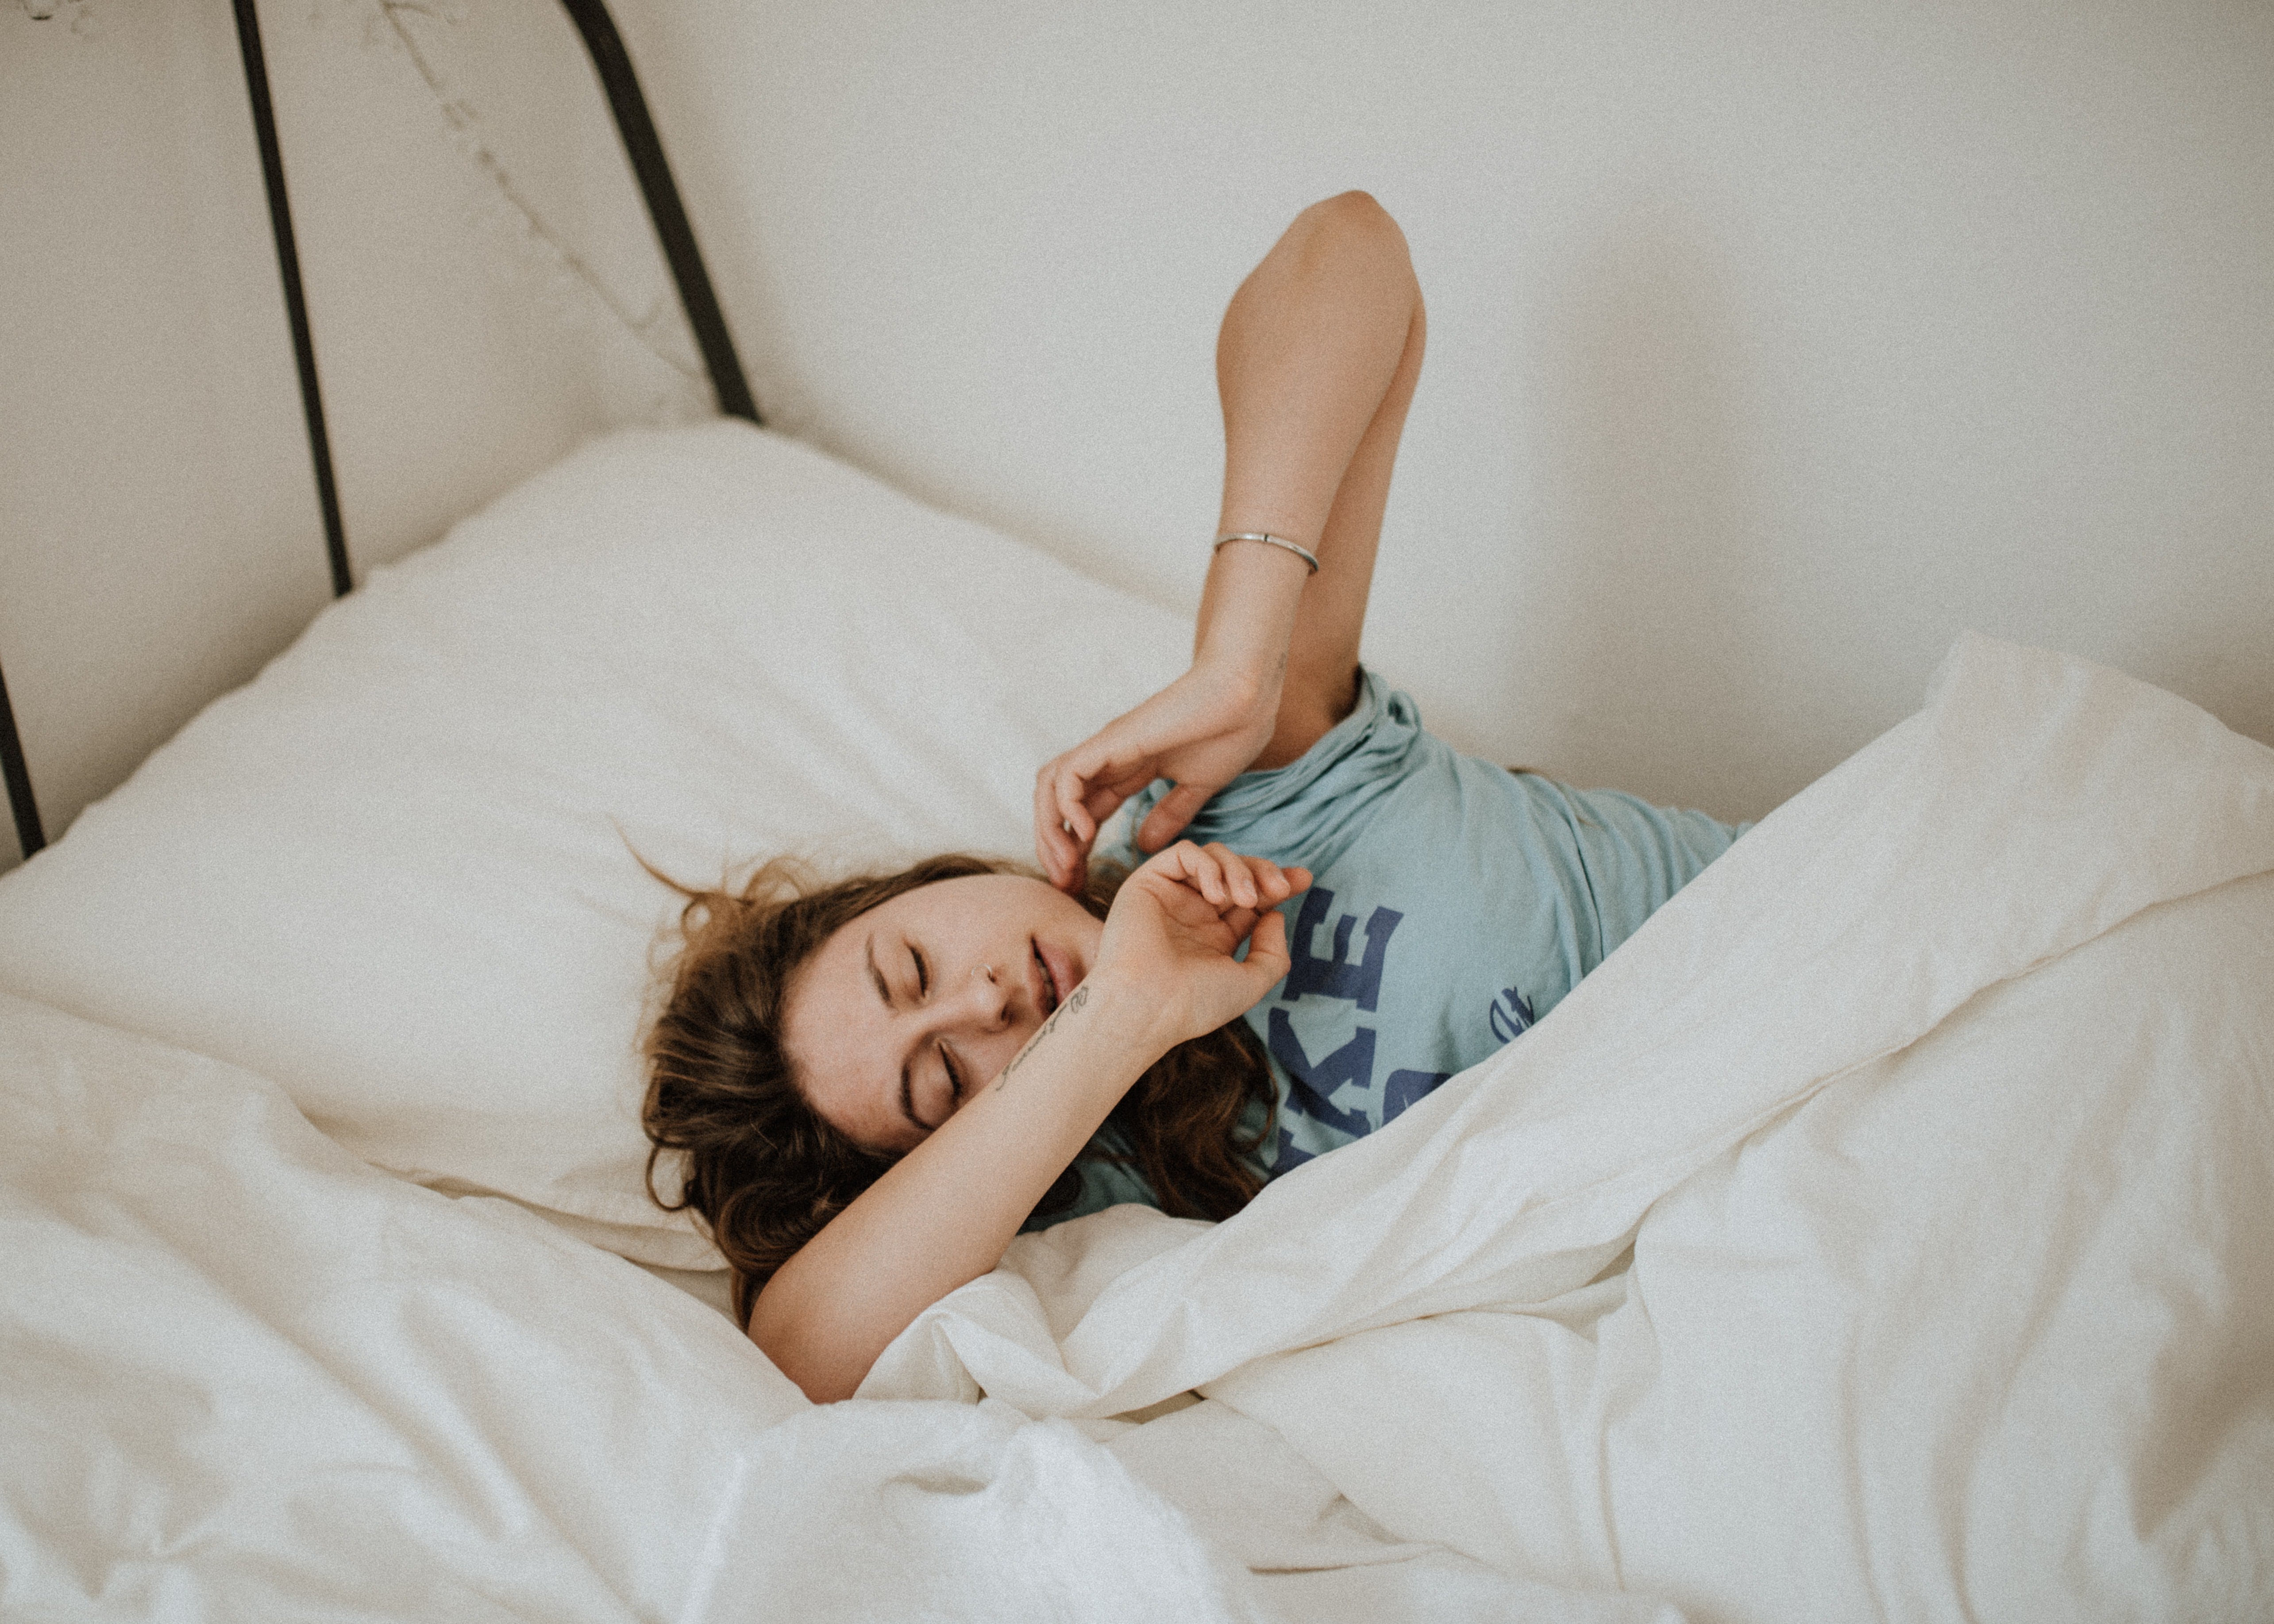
{"x": 1173, "y": 926}
{"x": 1203, "y": 730}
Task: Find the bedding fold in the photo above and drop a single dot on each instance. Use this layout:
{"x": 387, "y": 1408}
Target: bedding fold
{"x": 1879, "y": 1233}
{"x": 248, "y": 1376}
{"x": 2035, "y": 802}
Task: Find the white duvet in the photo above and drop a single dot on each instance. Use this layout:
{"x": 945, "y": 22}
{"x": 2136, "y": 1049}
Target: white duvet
{"x": 1886, "y": 1231}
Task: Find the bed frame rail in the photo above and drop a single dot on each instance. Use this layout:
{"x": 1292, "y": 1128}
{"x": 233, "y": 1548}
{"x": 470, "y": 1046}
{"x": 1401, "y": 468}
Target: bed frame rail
{"x": 642, "y": 145}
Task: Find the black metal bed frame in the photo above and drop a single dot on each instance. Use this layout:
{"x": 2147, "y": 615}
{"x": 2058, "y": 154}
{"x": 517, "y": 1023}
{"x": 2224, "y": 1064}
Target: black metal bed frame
{"x": 641, "y": 146}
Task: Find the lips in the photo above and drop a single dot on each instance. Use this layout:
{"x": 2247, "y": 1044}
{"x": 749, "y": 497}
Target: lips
{"x": 1047, "y": 994}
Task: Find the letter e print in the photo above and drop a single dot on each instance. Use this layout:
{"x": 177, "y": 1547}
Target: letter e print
{"x": 1335, "y": 976}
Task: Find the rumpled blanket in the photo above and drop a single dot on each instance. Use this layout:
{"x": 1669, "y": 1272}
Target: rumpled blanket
{"x": 1882, "y": 1232}
{"x": 1886, "y": 1230}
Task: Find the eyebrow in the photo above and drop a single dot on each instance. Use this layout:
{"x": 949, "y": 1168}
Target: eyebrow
{"x": 885, "y": 995}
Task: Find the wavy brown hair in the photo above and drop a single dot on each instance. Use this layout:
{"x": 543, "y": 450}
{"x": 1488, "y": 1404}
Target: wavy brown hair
{"x": 766, "y": 1170}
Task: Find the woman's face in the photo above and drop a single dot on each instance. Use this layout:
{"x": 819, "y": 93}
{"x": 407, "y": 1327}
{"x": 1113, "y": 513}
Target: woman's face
{"x": 912, "y": 1008}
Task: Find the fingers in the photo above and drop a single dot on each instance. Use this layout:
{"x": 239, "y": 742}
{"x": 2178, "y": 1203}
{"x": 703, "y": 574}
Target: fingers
{"x": 1054, "y": 849}
{"x": 1168, "y": 819}
{"x": 1227, "y": 880}
{"x": 1068, "y": 809}
{"x": 1071, "y": 809}
{"x": 1267, "y": 957}
{"x": 1203, "y": 867}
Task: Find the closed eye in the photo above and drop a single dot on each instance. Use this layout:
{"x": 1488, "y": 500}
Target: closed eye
{"x": 923, "y": 977}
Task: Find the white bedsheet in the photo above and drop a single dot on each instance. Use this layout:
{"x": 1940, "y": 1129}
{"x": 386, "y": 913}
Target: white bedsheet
{"x": 245, "y": 1377}
{"x": 1935, "y": 1117}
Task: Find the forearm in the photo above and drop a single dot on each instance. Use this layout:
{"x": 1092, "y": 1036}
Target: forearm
{"x": 942, "y": 1215}
{"x": 1306, "y": 353}
{"x": 1316, "y": 364}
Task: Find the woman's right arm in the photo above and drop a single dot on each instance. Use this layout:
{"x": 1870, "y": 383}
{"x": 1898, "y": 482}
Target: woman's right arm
{"x": 942, "y": 1215}
{"x": 1316, "y": 363}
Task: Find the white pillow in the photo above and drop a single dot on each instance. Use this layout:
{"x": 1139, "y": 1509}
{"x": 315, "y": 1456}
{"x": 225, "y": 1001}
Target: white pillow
{"x": 388, "y": 872}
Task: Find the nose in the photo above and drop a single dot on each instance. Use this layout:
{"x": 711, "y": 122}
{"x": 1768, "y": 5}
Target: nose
{"x": 989, "y": 998}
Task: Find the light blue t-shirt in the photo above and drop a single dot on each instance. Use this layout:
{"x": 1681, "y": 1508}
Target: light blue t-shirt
{"x": 1452, "y": 905}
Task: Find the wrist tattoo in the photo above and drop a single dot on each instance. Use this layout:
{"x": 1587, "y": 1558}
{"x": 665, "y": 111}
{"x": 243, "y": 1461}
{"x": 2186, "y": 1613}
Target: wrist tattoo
{"x": 1075, "y": 999}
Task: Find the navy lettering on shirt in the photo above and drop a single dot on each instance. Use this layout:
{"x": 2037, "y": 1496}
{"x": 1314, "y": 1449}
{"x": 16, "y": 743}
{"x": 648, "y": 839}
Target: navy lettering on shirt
{"x": 1336, "y": 977}
{"x": 1290, "y": 1154}
{"x": 1405, "y": 1087}
{"x": 1510, "y": 1015}
{"x": 1311, "y": 1086}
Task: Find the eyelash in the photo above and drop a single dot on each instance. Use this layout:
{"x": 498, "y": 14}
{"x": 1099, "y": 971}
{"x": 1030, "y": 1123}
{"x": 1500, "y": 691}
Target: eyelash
{"x": 923, "y": 986}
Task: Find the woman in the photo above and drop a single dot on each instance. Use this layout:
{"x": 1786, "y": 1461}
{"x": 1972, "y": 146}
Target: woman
{"x": 878, "y": 1083}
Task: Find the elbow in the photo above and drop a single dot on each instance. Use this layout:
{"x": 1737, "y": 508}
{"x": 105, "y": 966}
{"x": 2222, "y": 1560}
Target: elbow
{"x": 1352, "y": 210}
{"x": 1349, "y": 234}
{"x": 825, "y": 1374}
{"x": 827, "y": 1390}
{"x": 1355, "y": 220}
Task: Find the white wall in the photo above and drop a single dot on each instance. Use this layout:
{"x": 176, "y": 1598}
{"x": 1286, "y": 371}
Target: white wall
{"x": 149, "y": 481}
{"x": 159, "y": 532}
{"x": 1771, "y": 344}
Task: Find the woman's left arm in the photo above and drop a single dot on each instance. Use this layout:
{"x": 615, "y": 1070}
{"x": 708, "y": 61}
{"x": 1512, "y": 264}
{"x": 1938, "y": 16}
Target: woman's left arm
{"x": 1316, "y": 363}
